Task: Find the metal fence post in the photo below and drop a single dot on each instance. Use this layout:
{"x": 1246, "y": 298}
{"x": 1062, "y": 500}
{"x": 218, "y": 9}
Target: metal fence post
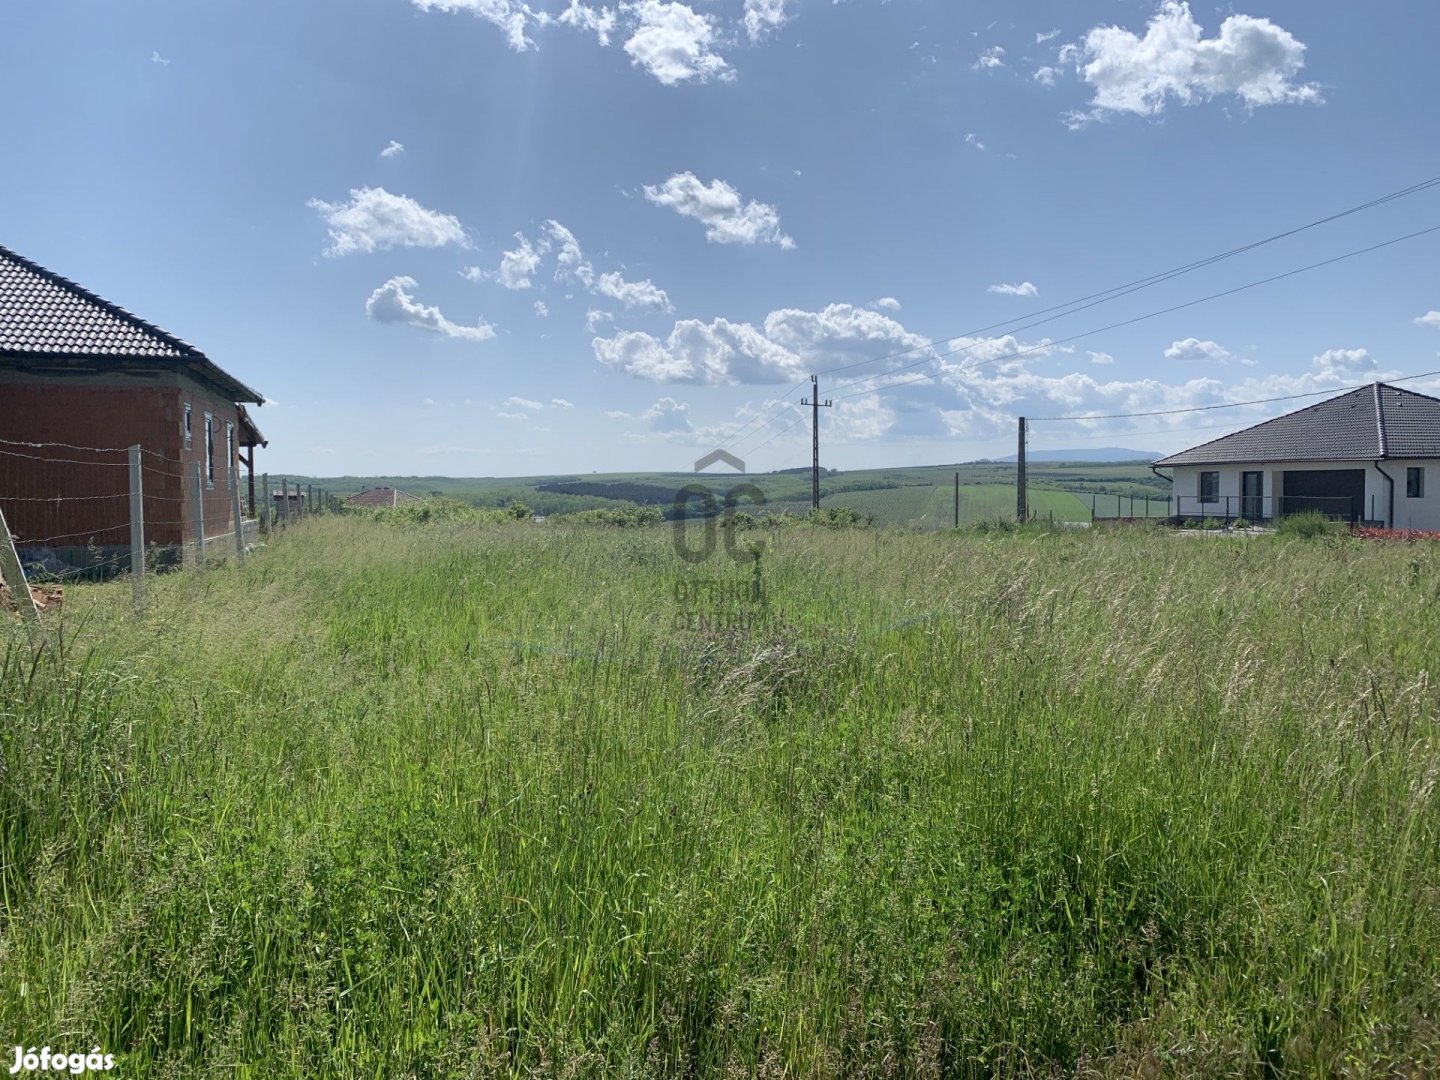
{"x": 199, "y": 509}
{"x": 137, "y": 529}
{"x": 239, "y": 522}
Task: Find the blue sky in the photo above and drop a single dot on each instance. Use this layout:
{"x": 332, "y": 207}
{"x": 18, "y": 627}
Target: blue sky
{"x": 480, "y": 237}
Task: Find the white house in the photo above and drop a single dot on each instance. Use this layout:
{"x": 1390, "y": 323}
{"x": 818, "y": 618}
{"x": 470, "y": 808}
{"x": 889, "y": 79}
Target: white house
{"x": 1370, "y": 455}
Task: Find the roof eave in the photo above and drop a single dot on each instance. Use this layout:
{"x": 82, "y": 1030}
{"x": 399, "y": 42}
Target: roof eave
{"x": 194, "y": 363}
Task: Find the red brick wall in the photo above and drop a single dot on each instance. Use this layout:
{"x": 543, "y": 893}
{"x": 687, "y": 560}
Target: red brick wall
{"x": 73, "y": 497}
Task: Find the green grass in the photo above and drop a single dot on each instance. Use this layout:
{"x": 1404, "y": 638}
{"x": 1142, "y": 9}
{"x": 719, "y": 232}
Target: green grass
{"x": 489, "y": 800}
{"x": 892, "y": 496}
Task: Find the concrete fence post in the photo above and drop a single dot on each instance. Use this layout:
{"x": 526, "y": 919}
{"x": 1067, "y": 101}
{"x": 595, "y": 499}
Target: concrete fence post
{"x": 269, "y": 504}
{"x": 239, "y": 521}
{"x": 199, "y": 511}
{"x": 137, "y": 529}
{"x": 13, "y": 574}
{"x": 284, "y": 501}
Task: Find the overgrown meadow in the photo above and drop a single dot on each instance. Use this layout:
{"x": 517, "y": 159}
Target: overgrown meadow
{"x": 467, "y": 800}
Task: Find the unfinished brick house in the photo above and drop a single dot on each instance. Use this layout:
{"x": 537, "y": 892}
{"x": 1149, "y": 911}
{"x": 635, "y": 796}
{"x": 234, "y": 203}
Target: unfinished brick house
{"x": 81, "y": 380}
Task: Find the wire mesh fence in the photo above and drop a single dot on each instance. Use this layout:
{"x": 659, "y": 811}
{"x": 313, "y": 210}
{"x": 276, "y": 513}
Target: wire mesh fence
{"x": 70, "y": 512}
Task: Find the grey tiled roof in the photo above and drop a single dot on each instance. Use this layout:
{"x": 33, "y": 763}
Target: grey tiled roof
{"x": 45, "y": 317}
{"x": 1373, "y": 422}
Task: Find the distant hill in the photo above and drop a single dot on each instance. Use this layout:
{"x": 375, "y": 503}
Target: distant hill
{"x": 1104, "y": 453}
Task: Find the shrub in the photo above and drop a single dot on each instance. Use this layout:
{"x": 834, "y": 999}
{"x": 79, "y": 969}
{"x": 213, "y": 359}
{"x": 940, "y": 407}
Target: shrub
{"x": 623, "y": 516}
{"x": 1308, "y": 525}
{"x": 838, "y": 517}
{"x": 435, "y": 510}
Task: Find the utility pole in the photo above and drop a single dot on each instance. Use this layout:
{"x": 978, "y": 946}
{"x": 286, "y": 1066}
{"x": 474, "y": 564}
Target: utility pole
{"x": 1022, "y": 500}
{"x": 815, "y": 406}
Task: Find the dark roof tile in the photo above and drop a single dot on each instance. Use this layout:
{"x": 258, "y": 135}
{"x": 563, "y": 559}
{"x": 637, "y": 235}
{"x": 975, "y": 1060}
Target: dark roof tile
{"x": 1373, "y": 422}
{"x": 44, "y": 316}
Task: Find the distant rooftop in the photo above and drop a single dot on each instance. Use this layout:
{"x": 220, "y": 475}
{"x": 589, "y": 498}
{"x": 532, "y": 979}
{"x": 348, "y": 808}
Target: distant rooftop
{"x": 381, "y": 496}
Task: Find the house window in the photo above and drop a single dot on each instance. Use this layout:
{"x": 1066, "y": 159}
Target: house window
{"x": 209, "y": 450}
{"x": 189, "y": 440}
{"x": 230, "y": 452}
{"x": 1209, "y": 487}
{"x": 1414, "y": 483}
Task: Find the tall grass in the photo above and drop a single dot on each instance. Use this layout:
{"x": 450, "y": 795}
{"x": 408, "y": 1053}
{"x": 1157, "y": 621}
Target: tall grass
{"x": 459, "y": 800}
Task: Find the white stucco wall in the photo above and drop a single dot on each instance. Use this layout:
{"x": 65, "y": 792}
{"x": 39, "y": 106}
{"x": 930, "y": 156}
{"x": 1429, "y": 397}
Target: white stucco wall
{"x": 1422, "y": 513}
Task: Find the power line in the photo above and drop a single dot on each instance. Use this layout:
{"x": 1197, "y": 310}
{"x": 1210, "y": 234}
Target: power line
{"x": 1125, "y": 322}
{"x": 1083, "y": 303}
{"x": 1235, "y": 404}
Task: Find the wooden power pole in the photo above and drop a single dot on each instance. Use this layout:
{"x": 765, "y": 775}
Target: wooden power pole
{"x": 815, "y": 406}
{"x": 1022, "y": 500}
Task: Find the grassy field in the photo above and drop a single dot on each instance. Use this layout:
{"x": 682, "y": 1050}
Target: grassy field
{"x": 917, "y": 495}
{"x": 529, "y": 800}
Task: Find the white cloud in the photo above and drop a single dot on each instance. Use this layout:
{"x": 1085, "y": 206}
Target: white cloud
{"x": 974, "y": 140}
{"x": 542, "y": 309}
{"x": 673, "y": 42}
{"x": 1025, "y": 288}
{"x": 889, "y": 303}
{"x": 1346, "y": 365}
{"x": 728, "y": 219}
{"x": 583, "y": 17}
{"x": 513, "y": 415}
{"x": 632, "y": 293}
{"x": 375, "y": 220}
{"x": 395, "y": 149}
{"x": 156, "y": 58}
{"x": 561, "y": 403}
{"x": 791, "y": 342}
{"x": 718, "y": 353}
{"x": 974, "y": 395}
{"x": 864, "y": 417}
{"x": 518, "y": 266}
{"x": 1430, "y": 318}
{"x": 1046, "y": 76}
{"x": 1195, "y": 349}
{"x": 570, "y": 261}
{"x": 668, "y": 416}
{"x": 522, "y": 403}
{"x": 990, "y": 59}
{"x": 1040, "y": 39}
{"x": 509, "y": 15}
{"x": 429, "y": 403}
{"x": 1251, "y": 58}
{"x": 841, "y": 333}
{"x": 394, "y": 302}
{"x": 763, "y": 17}
{"x": 595, "y": 318}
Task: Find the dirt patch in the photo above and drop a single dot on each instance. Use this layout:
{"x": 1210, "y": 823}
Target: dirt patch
{"x": 46, "y": 597}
